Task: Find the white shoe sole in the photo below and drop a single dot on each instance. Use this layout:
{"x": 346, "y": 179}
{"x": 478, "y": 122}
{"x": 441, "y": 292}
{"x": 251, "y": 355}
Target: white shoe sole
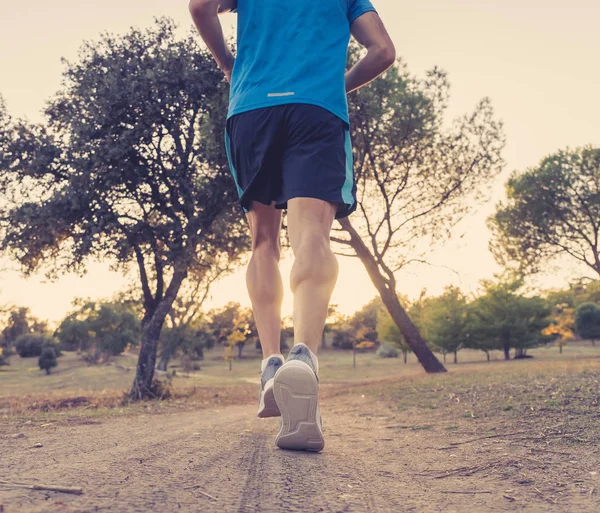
{"x": 267, "y": 406}
{"x": 297, "y": 394}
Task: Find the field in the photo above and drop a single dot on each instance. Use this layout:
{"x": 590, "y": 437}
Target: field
{"x": 498, "y": 436}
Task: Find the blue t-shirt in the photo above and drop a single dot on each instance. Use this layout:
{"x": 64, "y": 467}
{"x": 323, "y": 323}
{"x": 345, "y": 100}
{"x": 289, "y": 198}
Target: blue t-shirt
{"x": 293, "y": 51}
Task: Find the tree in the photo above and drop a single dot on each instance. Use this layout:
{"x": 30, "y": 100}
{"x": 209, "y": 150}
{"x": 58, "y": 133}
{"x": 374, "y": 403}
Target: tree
{"x": 103, "y": 329}
{"x": 504, "y": 319}
{"x": 75, "y": 332}
{"x": 130, "y": 166}
{"x": 415, "y": 179}
{"x": 47, "y": 359}
{"x": 233, "y": 325}
{"x": 551, "y": 210}
{"x": 344, "y": 336}
{"x": 587, "y": 321}
{"x": 3, "y": 359}
{"x": 447, "y": 325}
{"x": 562, "y": 323}
{"x": 20, "y": 322}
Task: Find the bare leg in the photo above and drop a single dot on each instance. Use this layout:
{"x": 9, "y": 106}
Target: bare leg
{"x": 315, "y": 268}
{"x": 263, "y": 278}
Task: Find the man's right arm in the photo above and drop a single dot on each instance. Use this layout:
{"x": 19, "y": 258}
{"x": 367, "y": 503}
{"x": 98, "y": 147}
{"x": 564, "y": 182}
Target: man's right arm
{"x": 369, "y": 31}
{"x": 205, "y": 14}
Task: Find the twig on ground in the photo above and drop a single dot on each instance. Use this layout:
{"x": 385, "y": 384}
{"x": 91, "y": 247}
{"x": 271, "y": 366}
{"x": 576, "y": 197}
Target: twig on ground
{"x": 469, "y": 493}
{"x": 489, "y": 436}
{"x": 195, "y": 487}
{"x": 53, "y": 488}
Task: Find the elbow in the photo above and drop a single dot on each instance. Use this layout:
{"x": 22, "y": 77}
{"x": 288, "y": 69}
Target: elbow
{"x": 388, "y": 55}
{"x": 199, "y": 8}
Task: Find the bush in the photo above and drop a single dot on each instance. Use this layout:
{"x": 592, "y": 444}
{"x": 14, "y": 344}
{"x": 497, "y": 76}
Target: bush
{"x": 47, "y": 359}
{"x": 31, "y": 345}
{"x": 587, "y": 321}
{"x": 387, "y": 351}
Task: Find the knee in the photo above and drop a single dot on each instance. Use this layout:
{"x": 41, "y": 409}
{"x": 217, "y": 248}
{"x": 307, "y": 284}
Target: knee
{"x": 314, "y": 260}
{"x": 266, "y": 247}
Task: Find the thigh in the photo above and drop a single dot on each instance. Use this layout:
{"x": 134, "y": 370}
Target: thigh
{"x": 317, "y": 161}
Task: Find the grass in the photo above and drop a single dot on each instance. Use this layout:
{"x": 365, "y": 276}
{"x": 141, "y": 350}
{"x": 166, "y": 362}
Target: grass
{"x": 24, "y": 383}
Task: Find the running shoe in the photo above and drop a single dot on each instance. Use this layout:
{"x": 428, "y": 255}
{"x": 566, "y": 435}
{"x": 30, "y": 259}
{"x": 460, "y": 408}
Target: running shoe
{"x": 267, "y": 407}
{"x": 296, "y": 389}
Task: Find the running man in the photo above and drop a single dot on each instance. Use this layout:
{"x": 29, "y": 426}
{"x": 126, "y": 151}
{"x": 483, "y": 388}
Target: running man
{"x": 288, "y": 145}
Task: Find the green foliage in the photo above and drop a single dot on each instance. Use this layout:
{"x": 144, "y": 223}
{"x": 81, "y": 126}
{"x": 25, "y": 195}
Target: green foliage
{"x": 32, "y": 344}
{"x": 446, "y": 323}
{"x": 190, "y": 340}
{"x": 102, "y": 328}
{"x": 47, "y": 359}
{"x": 387, "y": 350}
{"x": 389, "y": 332}
{"x": 344, "y": 336}
{"x": 587, "y": 321}
{"x": 20, "y": 322}
{"x": 504, "y": 319}
{"x": 552, "y": 209}
{"x": 232, "y": 325}
{"x": 365, "y": 319}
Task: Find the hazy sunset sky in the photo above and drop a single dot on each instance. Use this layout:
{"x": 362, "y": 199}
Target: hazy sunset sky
{"x": 537, "y": 60}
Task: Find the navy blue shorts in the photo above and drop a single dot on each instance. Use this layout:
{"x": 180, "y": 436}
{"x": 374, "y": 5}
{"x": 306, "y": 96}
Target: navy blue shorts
{"x": 291, "y": 151}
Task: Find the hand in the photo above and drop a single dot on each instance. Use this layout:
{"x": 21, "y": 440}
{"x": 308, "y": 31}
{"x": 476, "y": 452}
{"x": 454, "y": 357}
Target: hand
{"x": 228, "y": 67}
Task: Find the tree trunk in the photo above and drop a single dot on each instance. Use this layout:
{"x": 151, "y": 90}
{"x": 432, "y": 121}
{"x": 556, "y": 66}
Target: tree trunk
{"x": 444, "y": 354}
{"x": 405, "y": 355}
{"x": 323, "y": 341}
{"x": 142, "y": 383}
{"x": 354, "y": 355}
{"x": 240, "y": 349}
{"x": 455, "y": 356}
{"x": 487, "y": 353}
{"x": 506, "y": 346}
{"x": 560, "y": 348}
{"x": 387, "y": 290}
{"x": 163, "y": 363}
{"x": 594, "y": 342}
{"x": 47, "y": 371}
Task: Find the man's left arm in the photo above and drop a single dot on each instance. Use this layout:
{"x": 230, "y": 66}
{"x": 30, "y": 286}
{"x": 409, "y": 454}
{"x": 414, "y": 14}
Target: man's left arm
{"x": 205, "y": 14}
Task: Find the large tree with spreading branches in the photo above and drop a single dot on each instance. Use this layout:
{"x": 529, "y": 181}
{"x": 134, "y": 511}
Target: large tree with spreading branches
{"x": 551, "y": 210}
{"x": 129, "y": 167}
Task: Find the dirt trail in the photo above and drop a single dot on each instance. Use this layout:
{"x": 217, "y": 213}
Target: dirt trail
{"x": 376, "y": 459}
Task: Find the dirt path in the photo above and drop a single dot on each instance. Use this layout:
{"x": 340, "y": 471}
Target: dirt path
{"x": 376, "y": 459}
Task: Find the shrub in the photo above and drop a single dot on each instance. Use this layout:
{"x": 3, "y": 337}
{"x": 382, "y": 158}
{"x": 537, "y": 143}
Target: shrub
{"x": 587, "y": 321}
{"x": 47, "y": 359}
{"x": 31, "y": 344}
{"x": 387, "y": 351}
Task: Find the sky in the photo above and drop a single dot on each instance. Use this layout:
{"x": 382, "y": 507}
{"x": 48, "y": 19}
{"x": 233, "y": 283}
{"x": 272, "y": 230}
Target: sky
{"x": 537, "y": 61}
